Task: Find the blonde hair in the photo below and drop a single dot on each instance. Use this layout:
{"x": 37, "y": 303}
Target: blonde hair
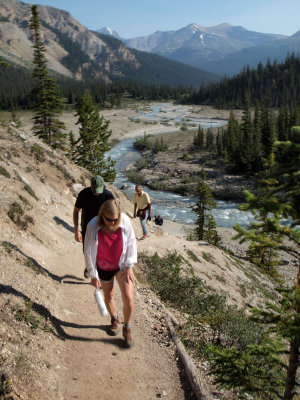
{"x": 109, "y": 207}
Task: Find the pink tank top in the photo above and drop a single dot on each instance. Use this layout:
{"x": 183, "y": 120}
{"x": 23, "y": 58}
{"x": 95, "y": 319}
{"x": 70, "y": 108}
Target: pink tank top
{"x": 110, "y": 247}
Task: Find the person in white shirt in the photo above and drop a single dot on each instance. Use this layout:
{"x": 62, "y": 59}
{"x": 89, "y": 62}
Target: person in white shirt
{"x": 110, "y": 252}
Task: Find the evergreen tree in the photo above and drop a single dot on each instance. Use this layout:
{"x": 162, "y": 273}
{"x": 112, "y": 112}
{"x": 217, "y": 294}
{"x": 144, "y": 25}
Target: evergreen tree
{"x": 209, "y": 140}
{"x": 199, "y": 139}
{"x": 268, "y": 131}
{"x": 205, "y": 224}
{"x": 248, "y": 151}
{"x": 219, "y": 143}
{"x": 92, "y": 144}
{"x": 47, "y": 103}
{"x": 280, "y": 202}
{"x": 258, "y": 163}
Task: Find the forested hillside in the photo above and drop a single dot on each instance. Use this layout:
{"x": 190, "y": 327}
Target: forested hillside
{"x": 280, "y": 81}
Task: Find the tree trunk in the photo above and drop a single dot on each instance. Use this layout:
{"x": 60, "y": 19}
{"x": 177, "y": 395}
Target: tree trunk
{"x": 291, "y": 372}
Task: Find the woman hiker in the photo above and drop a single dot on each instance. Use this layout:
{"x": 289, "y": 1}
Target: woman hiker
{"x": 110, "y": 252}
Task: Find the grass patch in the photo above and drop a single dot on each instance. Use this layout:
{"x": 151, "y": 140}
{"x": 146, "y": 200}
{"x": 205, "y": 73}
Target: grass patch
{"x": 34, "y": 266}
{"x": 220, "y": 278}
{"x": 4, "y": 172}
{"x": 38, "y": 152}
{"x": 27, "y": 314}
{"x": 209, "y": 258}
{"x": 30, "y": 191}
{"x": 25, "y": 201}
{"x": 8, "y": 247}
{"x": 193, "y": 256}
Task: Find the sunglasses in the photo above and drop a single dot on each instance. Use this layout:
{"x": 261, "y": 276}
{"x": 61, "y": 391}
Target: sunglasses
{"x": 111, "y": 219}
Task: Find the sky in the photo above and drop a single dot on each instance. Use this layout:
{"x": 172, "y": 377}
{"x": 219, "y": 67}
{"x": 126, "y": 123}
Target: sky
{"x": 133, "y": 18}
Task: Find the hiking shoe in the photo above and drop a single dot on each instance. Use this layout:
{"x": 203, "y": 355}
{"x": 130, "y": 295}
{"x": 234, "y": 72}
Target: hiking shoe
{"x": 113, "y": 329}
{"x": 86, "y": 273}
{"x": 127, "y": 337}
{"x": 143, "y": 237}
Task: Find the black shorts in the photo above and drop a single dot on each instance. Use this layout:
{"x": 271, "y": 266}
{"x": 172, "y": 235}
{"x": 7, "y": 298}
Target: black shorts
{"x": 106, "y": 276}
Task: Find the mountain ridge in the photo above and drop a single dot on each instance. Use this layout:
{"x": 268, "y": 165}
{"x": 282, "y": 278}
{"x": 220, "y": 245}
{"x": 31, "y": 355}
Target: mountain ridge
{"x": 221, "y": 49}
{"x": 74, "y": 51}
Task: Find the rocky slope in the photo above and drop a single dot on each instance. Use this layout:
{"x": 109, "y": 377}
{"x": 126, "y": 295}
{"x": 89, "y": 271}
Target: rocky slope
{"x": 52, "y": 346}
{"x": 16, "y": 41}
{"x": 72, "y": 50}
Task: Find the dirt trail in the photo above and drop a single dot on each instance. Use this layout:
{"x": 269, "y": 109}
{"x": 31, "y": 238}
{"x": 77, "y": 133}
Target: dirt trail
{"x": 94, "y": 365}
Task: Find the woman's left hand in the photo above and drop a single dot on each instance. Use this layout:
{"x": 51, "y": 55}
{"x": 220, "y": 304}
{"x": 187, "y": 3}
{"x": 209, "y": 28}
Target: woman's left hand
{"x": 129, "y": 275}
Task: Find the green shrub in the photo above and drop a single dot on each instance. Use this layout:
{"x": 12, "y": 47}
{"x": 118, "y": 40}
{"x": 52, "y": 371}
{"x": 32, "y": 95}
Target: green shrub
{"x": 15, "y": 211}
{"x": 30, "y": 191}
{"x": 16, "y": 214}
{"x": 192, "y": 256}
{"x": 38, "y": 152}
{"x": 143, "y": 143}
{"x": 25, "y": 201}
{"x": 34, "y": 266}
{"x": 5, "y": 386}
{"x": 135, "y": 177}
{"x": 4, "y": 172}
{"x": 142, "y": 163}
{"x": 8, "y": 247}
{"x": 209, "y": 257}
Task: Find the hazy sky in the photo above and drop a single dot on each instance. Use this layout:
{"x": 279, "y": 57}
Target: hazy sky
{"x": 132, "y": 18}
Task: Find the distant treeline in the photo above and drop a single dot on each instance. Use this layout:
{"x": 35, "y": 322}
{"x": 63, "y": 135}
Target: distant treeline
{"x": 16, "y": 83}
{"x": 280, "y": 81}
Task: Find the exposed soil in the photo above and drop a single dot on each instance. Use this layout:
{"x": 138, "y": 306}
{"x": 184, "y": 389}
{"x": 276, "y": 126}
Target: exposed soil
{"x": 58, "y": 347}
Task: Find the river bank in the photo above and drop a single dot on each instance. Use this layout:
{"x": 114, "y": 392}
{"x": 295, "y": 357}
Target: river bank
{"x": 176, "y": 165}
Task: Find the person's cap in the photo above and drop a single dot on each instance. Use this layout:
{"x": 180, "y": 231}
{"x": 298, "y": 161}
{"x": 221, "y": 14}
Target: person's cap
{"x": 97, "y": 184}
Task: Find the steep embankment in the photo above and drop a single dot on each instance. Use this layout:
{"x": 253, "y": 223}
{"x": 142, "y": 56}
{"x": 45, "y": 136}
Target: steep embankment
{"x": 53, "y": 341}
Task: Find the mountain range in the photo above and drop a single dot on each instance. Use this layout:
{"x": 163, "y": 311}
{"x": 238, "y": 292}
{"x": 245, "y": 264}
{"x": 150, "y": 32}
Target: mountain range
{"x": 192, "y": 55}
{"x": 74, "y": 51}
{"x": 223, "y": 49}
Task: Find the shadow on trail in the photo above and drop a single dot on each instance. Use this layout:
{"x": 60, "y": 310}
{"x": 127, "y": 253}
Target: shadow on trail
{"x": 38, "y": 268}
{"x": 58, "y": 324}
{"x": 60, "y": 221}
{"x": 74, "y": 282}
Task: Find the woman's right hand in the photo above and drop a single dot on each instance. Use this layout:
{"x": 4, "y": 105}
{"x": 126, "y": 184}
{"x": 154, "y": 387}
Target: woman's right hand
{"x": 96, "y": 282}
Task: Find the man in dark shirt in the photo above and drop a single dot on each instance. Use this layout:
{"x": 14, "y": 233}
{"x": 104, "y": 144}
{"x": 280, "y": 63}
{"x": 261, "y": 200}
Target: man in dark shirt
{"x": 89, "y": 201}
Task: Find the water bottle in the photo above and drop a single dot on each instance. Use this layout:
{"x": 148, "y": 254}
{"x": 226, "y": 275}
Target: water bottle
{"x": 100, "y": 302}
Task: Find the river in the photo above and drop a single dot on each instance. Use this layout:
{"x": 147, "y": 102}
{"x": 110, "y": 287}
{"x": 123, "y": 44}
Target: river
{"x": 170, "y": 205}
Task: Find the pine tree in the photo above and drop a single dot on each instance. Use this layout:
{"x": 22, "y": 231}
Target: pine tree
{"x": 205, "y": 224}
{"x": 199, "y": 139}
{"x": 268, "y": 131}
{"x": 247, "y": 147}
{"x": 258, "y": 163}
{"x": 92, "y": 144}
{"x": 280, "y": 202}
{"x": 47, "y": 103}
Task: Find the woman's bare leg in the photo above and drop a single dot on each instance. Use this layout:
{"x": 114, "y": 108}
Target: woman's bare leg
{"x": 126, "y": 288}
{"x": 108, "y": 293}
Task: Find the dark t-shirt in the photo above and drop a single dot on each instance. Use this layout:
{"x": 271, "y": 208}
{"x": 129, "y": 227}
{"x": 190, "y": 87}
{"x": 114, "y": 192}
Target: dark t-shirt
{"x": 90, "y": 204}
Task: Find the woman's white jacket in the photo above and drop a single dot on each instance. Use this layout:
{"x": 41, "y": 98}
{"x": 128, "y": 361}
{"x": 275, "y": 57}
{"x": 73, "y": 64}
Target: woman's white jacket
{"x": 129, "y": 253}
